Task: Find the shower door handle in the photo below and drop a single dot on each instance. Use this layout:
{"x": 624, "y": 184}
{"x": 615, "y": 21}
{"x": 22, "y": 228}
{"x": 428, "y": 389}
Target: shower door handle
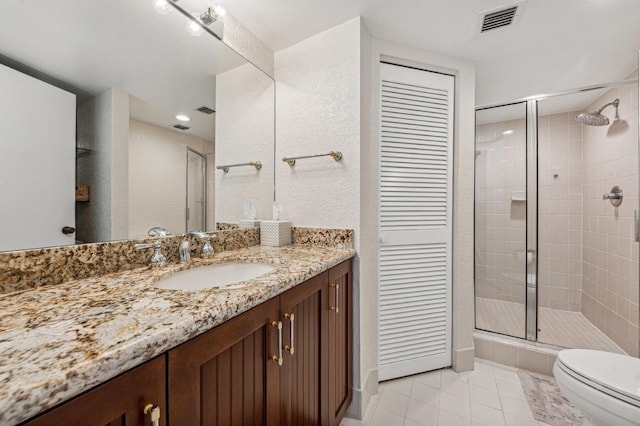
{"x": 636, "y": 226}
{"x": 531, "y": 256}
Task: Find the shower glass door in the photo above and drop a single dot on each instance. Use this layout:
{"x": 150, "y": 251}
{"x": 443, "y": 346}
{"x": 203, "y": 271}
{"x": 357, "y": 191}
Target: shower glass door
{"x": 502, "y": 257}
{"x": 196, "y": 191}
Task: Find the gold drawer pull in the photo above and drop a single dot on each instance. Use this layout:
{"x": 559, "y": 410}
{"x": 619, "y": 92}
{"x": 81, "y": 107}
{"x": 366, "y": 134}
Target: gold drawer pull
{"x": 291, "y": 349}
{"x": 278, "y": 358}
{"x": 337, "y": 307}
{"x": 153, "y": 411}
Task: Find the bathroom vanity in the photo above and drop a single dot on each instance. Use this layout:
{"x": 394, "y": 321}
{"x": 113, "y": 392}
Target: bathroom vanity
{"x": 276, "y": 349}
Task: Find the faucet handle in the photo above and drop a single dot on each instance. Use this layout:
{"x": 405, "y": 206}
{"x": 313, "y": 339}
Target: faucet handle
{"x": 207, "y": 248}
{"x": 157, "y": 259}
{"x": 157, "y": 231}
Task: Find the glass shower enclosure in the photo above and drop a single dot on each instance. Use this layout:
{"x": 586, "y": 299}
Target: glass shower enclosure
{"x": 196, "y": 191}
{"x": 556, "y": 255}
{"x": 505, "y": 245}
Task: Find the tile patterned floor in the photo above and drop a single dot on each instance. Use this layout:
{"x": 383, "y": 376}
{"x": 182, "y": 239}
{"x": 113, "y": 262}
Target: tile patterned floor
{"x": 572, "y": 330}
{"x": 556, "y": 327}
{"x": 491, "y": 395}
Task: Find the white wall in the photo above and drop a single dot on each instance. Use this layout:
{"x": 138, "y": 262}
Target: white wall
{"x": 244, "y": 132}
{"x": 157, "y": 177}
{"x": 318, "y": 109}
{"x": 243, "y": 41}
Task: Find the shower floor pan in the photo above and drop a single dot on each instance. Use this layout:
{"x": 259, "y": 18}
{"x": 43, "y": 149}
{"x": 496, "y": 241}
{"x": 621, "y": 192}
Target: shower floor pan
{"x": 556, "y": 327}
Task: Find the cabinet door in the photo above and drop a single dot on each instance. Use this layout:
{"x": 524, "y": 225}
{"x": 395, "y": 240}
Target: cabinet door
{"x": 120, "y": 401}
{"x": 227, "y": 376}
{"x": 340, "y": 345}
{"x": 303, "y": 379}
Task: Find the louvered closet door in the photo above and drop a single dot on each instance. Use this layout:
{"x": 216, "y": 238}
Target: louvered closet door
{"x": 415, "y": 220}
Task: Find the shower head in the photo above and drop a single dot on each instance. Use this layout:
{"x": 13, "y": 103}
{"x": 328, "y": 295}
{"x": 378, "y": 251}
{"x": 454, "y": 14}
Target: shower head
{"x": 596, "y": 118}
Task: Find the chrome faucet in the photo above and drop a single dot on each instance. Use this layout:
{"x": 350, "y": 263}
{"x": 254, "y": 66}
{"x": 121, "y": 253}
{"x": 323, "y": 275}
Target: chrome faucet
{"x": 184, "y": 250}
{"x": 207, "y": 248}
{"x": 157, "y": 259}
{"x": 157, "y": 231}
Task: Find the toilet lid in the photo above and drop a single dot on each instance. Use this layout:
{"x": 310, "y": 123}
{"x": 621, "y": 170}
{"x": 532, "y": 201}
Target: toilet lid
{"x": 618, "y": 373}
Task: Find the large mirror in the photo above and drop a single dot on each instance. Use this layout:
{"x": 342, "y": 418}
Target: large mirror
{"x": 116, "y": 116}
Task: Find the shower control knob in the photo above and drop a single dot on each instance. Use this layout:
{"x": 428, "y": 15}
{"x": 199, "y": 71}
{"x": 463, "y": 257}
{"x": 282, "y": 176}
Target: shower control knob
{"x": 68, "y": 230}
{"x": 614, "y": 196}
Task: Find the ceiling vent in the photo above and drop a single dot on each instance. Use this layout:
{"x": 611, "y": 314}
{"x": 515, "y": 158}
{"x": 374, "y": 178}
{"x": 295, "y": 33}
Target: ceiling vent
{"x": 500, "y": 18}
{"x": 181, "y": 127}
{"x": 206, "y": 110}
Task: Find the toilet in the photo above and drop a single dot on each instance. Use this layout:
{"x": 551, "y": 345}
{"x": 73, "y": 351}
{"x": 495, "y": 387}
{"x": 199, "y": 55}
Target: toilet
{"x": 604, "y": 386}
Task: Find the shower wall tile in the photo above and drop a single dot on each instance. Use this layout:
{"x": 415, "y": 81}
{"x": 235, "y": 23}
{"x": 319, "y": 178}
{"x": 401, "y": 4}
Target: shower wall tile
{"x": 610, "y": 256}
{"x": 560, "y": 194}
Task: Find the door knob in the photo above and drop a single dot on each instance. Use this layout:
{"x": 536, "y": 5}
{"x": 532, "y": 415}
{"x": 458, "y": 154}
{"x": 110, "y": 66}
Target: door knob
{"x": 68, "y": 230}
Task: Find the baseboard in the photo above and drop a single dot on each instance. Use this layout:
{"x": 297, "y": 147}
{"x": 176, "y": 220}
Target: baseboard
{"x": 462, "y": 359}
{"x": 362, "y": 397}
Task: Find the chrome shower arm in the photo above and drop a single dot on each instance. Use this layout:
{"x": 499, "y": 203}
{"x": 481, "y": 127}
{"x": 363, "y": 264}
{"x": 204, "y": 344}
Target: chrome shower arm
{"x": 614, "y": 103}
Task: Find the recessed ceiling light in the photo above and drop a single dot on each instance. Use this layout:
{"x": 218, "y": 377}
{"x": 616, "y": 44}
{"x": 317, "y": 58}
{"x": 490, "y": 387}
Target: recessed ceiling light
{"x": 220, "y": 11}
{"x": 162, "y": 6}
{"x": 506, "y": 132}
{"x": 194, "y": 27}
{"x": 182, "y": 117}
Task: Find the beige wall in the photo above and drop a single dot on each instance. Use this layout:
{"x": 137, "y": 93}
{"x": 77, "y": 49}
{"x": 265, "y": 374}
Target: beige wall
{"x": 610, "y": 256}
{"x": 157, "y": 177}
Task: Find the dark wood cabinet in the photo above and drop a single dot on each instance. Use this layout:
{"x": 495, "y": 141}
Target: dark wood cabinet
{"x": 231, "y": 374}
{"x": 285, "y": 362}
{"x": 340, "y": 344}
{"x": 120, "y": 401}
{"x": 303, "y": 382}
{"x": 228, "y": 376}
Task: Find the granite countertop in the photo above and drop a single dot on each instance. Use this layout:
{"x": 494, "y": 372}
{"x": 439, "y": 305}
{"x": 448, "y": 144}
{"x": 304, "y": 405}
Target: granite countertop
{"x": 58, "y": 341}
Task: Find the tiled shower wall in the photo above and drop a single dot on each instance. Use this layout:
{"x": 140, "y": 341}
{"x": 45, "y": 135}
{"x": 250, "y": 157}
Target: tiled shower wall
{"x": 610, "y": 255}
{"x": 559, "y": 211}
{"x": 500, "y": 221}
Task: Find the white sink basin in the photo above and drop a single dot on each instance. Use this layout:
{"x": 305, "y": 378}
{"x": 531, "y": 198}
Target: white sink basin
{"x": 221, "y": 275}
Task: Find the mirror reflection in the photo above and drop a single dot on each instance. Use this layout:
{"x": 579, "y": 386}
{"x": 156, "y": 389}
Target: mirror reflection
{"x": 114, "y": 124}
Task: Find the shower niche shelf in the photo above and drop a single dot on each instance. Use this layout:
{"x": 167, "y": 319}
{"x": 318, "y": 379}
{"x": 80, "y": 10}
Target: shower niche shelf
{"x": 520, "y": 196}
